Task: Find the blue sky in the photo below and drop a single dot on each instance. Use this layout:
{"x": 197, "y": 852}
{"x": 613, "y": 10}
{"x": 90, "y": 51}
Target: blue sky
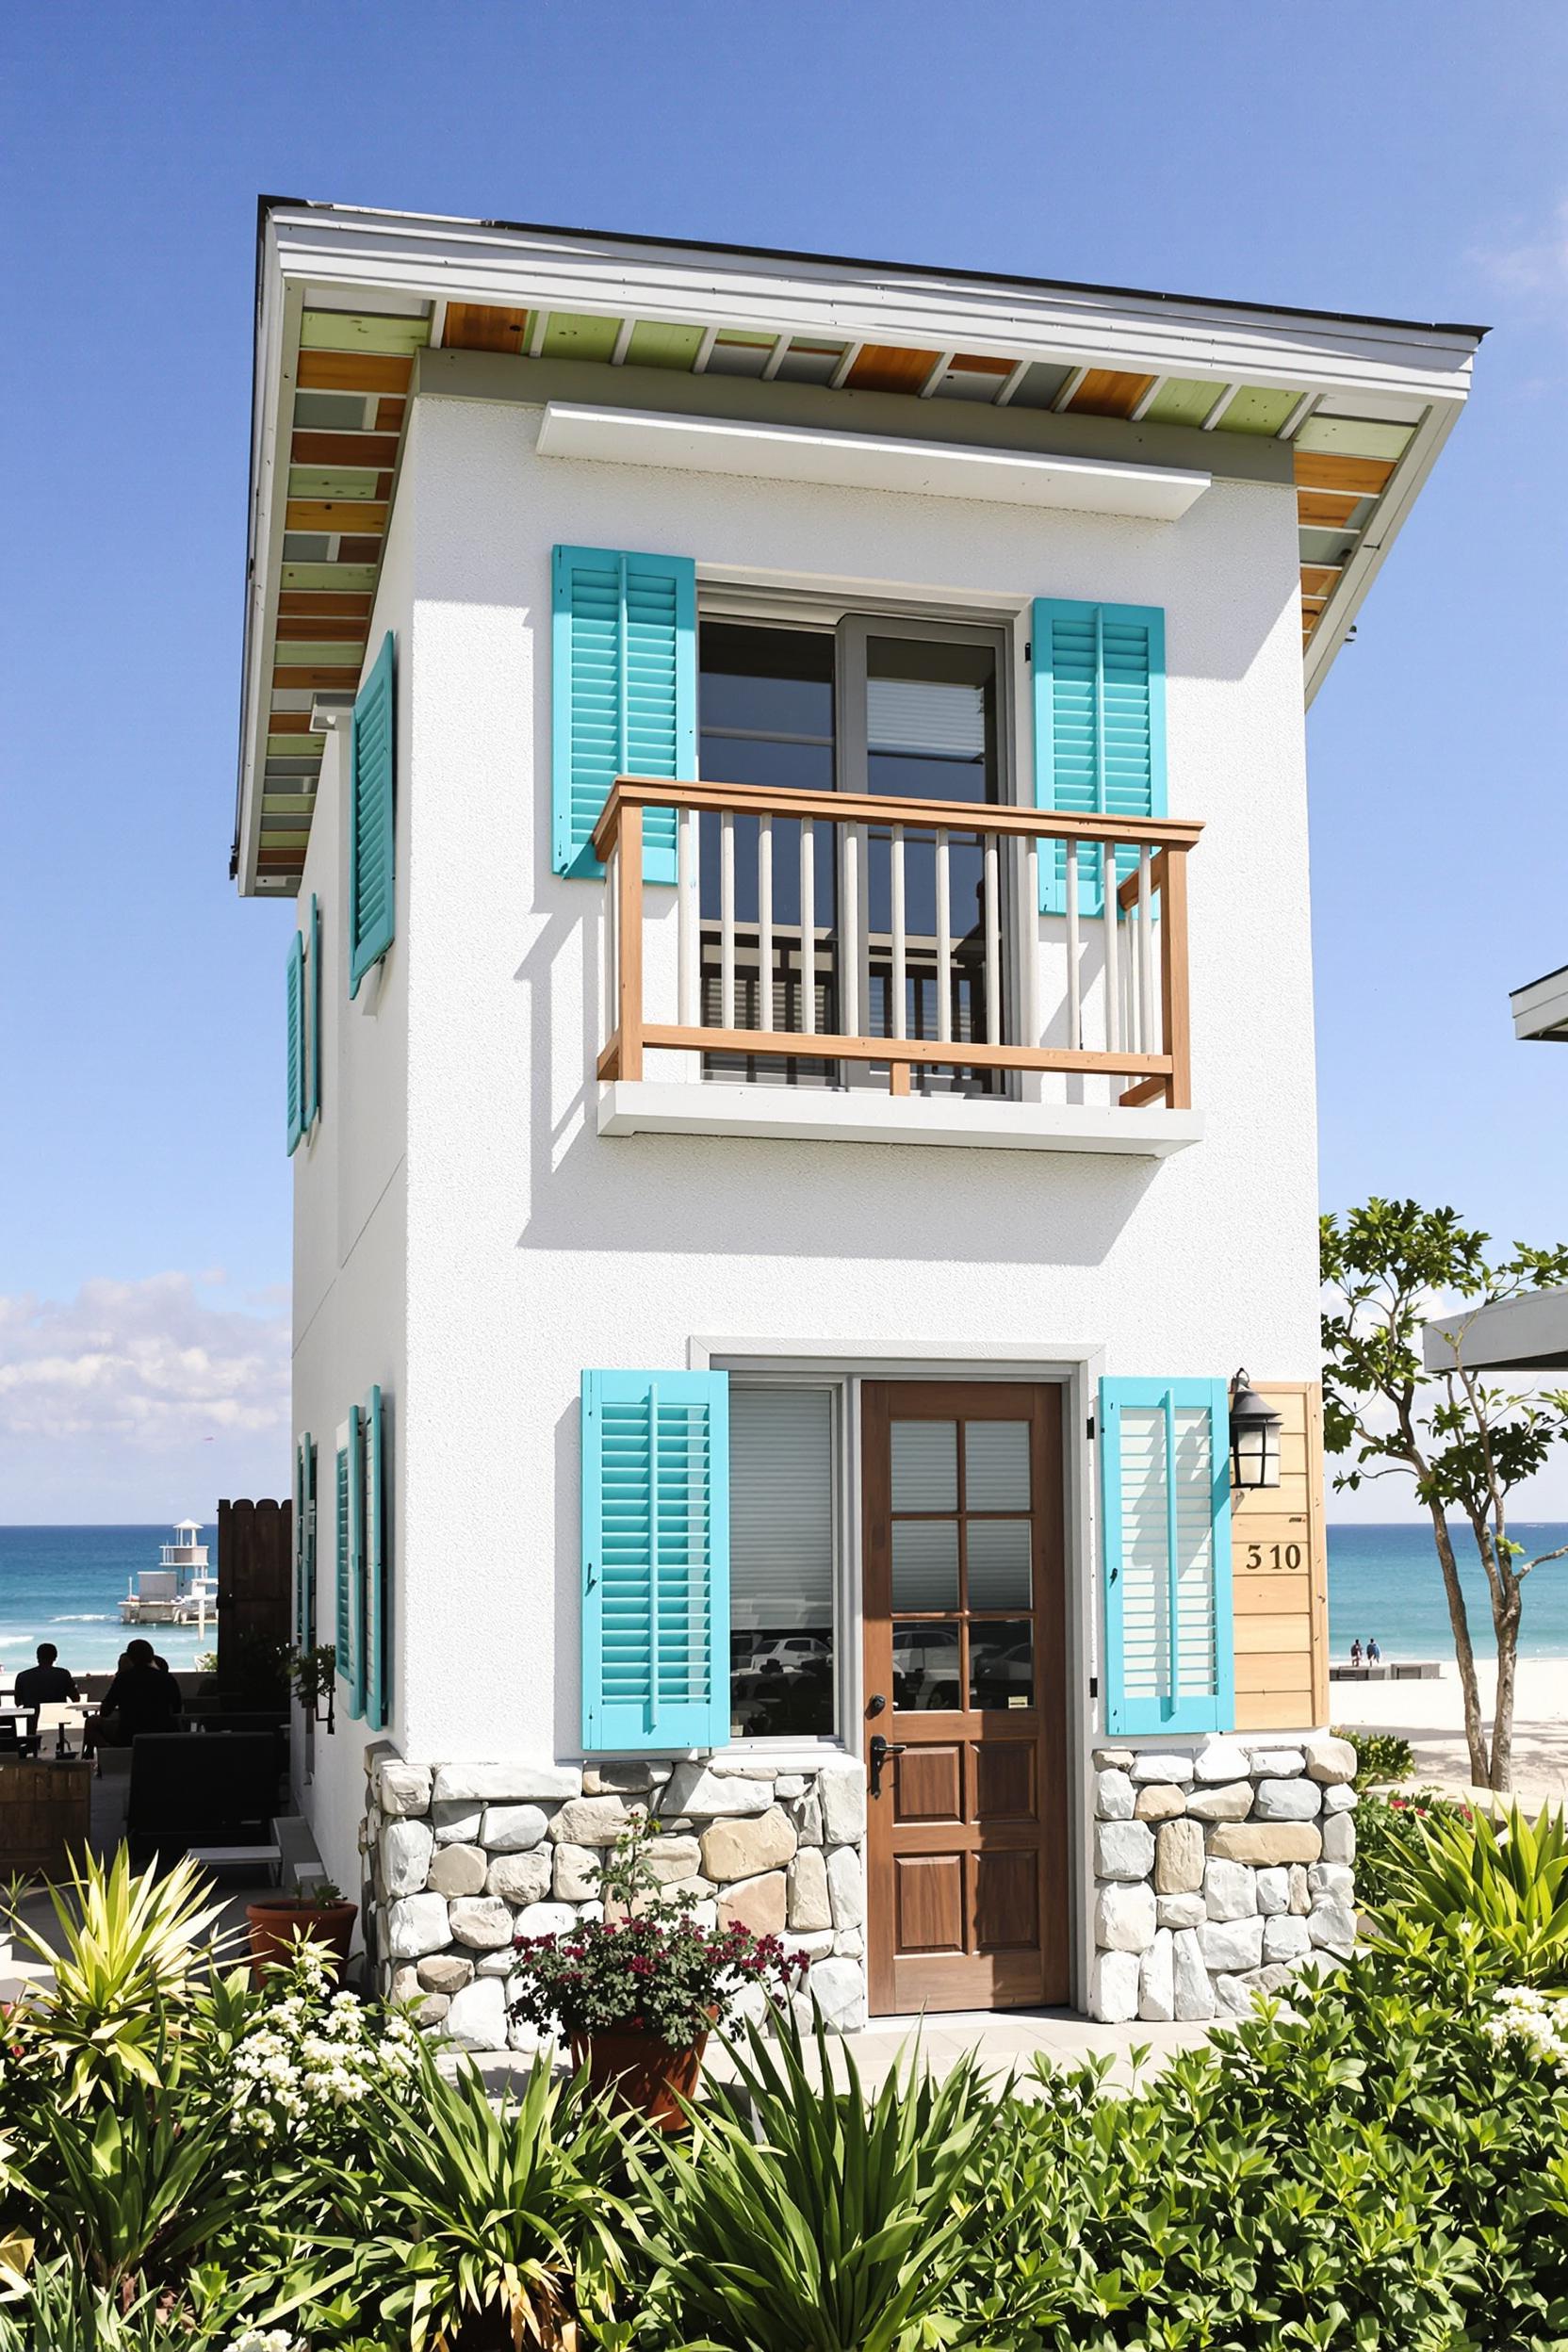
{"x": 1410, "y": 159}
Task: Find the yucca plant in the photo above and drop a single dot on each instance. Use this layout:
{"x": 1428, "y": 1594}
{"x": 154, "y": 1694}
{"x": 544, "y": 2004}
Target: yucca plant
{"x": 808, "y": 2220}
{"x": 485, "y": 2212}
{"x": 1509, "y": 1886}
{"x": 65, "y": 2310}
{"x": 130, "y": 1944}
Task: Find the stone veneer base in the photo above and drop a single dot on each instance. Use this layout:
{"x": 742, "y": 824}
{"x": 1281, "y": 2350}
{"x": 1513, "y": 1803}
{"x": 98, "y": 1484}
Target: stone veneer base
{"x": 1218, "y": 1873}
{"x": 462, "y": 1858}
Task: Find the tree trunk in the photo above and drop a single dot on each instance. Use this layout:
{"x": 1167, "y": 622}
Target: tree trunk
{"x": 1506, "y": 1621}
{"x": 1481, "y": 1763}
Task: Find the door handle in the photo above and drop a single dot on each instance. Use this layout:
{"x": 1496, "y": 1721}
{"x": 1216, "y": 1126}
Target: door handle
{"x": 880, "y": 1750}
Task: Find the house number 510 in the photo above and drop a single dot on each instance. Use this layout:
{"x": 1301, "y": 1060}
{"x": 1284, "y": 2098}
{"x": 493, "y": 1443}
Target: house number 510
{"x": 1273, "y": 1555}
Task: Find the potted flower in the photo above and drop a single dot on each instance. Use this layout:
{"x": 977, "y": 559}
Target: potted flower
{"x": 280, "y": 1923}
{"x": 312, "y": 1675}
{"x": 637, "y": 1992}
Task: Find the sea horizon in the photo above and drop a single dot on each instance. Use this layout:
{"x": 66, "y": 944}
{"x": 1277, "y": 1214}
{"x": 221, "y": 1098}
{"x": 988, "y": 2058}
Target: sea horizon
{"x": 62, "y": 1581}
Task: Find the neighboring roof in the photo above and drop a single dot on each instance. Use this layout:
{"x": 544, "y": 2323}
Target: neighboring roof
{"x": 347, "y": 300}
{"x": 1528, "y": 1334}
{"x": 1540, "y": 1008}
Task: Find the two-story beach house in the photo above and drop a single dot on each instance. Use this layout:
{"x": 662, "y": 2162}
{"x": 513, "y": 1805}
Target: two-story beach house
{"x": 791, "y": 775}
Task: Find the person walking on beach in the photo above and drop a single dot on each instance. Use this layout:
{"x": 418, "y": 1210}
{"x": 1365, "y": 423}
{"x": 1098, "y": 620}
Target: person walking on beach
{"x": 1355, "y": 1651}
{"x": 46, "y": 1684}
{"x": 1373, "y": 1653}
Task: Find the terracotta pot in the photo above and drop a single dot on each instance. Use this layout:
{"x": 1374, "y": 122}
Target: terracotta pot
{"x": 643, "y": 2075}
{"x": 276, "y": 1927}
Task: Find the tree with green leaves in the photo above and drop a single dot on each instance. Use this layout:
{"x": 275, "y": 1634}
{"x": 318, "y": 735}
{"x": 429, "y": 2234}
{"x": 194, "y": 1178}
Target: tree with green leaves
{"x": 1391, "y": 1266}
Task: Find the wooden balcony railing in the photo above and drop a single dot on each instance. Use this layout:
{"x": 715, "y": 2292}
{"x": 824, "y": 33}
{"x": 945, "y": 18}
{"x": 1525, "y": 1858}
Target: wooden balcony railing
{"x": 816, "y": 929}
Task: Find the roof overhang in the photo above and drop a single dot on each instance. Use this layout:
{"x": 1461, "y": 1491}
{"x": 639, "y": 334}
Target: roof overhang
{"x": 1540, "y": 1008}
{"x": 347, "y": 299}
{"x": 1517, "y": 1335}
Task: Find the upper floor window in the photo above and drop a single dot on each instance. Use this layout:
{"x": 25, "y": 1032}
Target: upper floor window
{"x": 899, "y": 708}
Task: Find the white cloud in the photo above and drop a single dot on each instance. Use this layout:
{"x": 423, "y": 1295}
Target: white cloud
{"x": 1536, "y": 265}
{"x": 137, "y": 1400}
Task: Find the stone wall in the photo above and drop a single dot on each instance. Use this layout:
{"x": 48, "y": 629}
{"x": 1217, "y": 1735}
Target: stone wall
{"x": 1217, "y": 1872}
{"x": 462, "y": 1858}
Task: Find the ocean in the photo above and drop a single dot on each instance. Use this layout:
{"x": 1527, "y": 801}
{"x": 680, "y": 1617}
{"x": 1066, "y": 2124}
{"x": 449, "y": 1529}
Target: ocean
{"x": 65, "y": 1584}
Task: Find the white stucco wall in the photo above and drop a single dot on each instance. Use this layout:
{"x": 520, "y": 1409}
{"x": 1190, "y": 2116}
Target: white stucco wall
{"x": 534, "y": 1247}
{"x": 349, "y": 1207}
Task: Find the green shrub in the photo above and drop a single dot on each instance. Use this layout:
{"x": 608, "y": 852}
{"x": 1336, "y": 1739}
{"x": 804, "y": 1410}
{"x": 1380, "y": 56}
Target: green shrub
{"x": 1507, "y": 1888}
{"x": 812, "y": 2221}
{"x": 1380, "y": 1757}
{"x": 1388, "y": 1834}
{"x": 1374, "y": 2168}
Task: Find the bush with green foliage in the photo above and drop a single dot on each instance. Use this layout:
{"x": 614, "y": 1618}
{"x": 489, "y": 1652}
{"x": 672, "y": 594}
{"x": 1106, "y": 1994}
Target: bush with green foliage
{"x": 1381, "y": 1757}
{"x": 1506, "y": 1887}
{"x": 1388, "y": 1833}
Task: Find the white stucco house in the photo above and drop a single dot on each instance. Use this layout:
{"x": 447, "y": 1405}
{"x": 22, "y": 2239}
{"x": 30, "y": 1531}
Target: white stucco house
{"x": 791, "y": 774}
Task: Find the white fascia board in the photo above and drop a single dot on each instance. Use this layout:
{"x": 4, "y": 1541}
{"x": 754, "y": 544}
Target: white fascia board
{"x": 1521, "y": 1335}
{"x": 642, "y": 1106}
{"x": 473, "y": 261}
{"x": 710, "y": 445}
{"x": 281, "y": 301}
{"x": 1540, "y": 1008}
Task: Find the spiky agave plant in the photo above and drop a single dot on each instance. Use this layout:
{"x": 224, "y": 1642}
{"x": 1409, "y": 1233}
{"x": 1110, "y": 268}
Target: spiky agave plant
{"x": 129, "y": 1946}
{"x": 479, "y": 2210}
{"x": 804, "y": 2219}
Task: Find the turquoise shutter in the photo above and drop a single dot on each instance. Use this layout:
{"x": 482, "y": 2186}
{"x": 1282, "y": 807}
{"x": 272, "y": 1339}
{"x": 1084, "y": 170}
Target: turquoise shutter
{"x": 1166, "y": 1523}
{"x": 378, "y": 1678}
{"x": 357, "y": 1532}
{"x": 625, "y": 698}
{"x": 343, "y": 1566}
{"x": 307, "y": 1627}
{"x": 312, "y": 1020}
{"x": 371, "y": 767}
{"x": 300, "y": 1546}
{"x": 655, "y": 1559}
{"x": 296, "y": 1059}
{"x": 1098, "y": 729}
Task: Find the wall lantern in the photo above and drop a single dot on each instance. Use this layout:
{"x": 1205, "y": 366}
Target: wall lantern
{"x": 1254, "y": 1437}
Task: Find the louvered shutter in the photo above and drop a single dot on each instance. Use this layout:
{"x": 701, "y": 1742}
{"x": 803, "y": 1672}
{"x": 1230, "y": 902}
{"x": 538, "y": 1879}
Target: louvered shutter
{"x": 312, "y": 1022}
{"x": 296, "y": 1033}
{"x": 307, "y": 1556}
{"x": 371, "y": 770}
{"x": 299, "y": 1544}
{"x": 1098, "y": 729}
{"x": 343, "y": 1558}
{"x": 1166, "y": 1512}
{"x": 358, "y": 1533}
{"x": 378, "y": 1677}
{"x": 655, "y": 1559}
{"x": 624, "y": 694}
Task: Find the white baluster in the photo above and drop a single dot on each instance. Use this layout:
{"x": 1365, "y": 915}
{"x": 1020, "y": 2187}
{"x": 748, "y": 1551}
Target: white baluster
{"x": 992, "y": 913}
{"x": 849, "y": 977}
{"x": 688, "y": 917}
{"x": 1149, "y": 1030}
{"x": 765, "y": 921}
{"x": 726, "y": 921}
{"x": 1029, "y": 942}
{"x": 809, "y": 926}
{"x": 1074, "y": 962}
{"x": 1113, "y": 950}
{"x": 945, "y": 946}
{"x": 897, "y": 1027}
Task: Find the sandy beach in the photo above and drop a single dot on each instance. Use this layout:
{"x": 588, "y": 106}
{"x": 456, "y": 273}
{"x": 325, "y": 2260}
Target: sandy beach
{"x": 1430, "y": 1715}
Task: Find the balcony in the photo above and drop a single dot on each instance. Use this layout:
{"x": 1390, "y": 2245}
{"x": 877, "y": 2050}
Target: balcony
{"x": 853, "y": 967}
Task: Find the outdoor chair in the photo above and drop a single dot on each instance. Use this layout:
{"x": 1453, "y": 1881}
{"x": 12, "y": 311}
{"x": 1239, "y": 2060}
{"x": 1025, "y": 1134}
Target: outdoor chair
{"x": 226, "y": 1797}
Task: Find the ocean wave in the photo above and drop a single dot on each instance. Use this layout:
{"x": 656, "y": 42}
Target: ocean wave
{"x": 99, "y": 1617}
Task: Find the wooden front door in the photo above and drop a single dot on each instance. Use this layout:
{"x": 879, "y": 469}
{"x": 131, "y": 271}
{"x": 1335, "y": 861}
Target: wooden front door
{"x": 965, "y": 1681}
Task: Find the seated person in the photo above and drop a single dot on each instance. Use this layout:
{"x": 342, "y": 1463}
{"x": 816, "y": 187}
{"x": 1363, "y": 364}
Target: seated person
{"x": 143, "y": 1696}
{"x": 45, "y": 1684}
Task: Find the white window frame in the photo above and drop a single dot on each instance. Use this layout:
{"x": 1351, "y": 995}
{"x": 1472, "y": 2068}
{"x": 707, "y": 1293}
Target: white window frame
{"x": 846, "y": 1619}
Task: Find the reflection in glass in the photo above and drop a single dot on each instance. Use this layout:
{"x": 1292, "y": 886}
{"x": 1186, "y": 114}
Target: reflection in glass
{"x": 925, "y": 1465}
{"x": 925, "y": 1667}
{"x": 996, "y": 1465}
{"x": 998, "y": 1552}
{"x": 781, "y": 1562}
{"x": 1002, "y": 1665}
{"x": 926, "y": 1563}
